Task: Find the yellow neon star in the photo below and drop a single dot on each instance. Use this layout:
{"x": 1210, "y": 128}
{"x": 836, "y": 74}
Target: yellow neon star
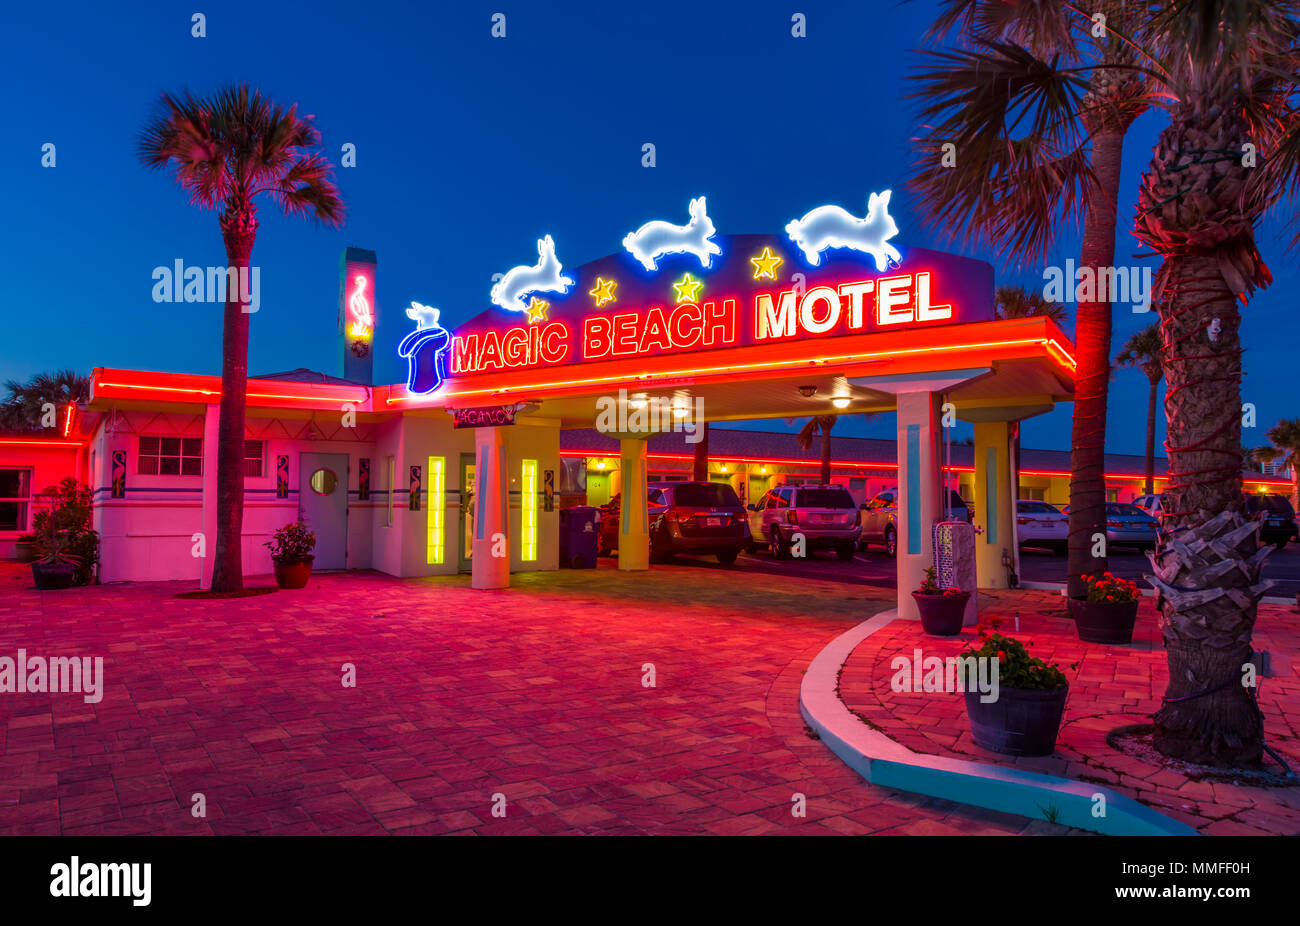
{"x": 765, "y": 264}
{"x": 603, "y": 291}
{"x": 537, "y": 310}
{"x": 688, "y": 289}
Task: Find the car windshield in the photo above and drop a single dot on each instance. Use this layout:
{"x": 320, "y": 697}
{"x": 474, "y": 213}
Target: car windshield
{"x": 714, "y": 495}
{"x": 824, "y": 498}
{"x": 1125, "y": 511}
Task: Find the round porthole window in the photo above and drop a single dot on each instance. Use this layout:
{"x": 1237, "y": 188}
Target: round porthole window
{"x": 323, "y": 481}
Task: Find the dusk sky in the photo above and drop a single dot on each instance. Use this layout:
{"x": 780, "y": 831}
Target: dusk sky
{"x": 468, "y": 149}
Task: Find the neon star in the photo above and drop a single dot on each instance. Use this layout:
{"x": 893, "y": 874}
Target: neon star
{"x": 603, "y": 291}
{"x": 536, "y": 310}
{"x": 688, "y": 289}
{"x": 765, "y": 264}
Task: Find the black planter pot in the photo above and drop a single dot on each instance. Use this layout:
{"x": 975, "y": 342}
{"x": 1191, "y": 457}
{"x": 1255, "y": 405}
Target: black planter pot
{"x": 1021, "y": 722}
{"x": 52, "y": 576}
{"x": 941, "y": 615}
{"x": 1104, "y": 621}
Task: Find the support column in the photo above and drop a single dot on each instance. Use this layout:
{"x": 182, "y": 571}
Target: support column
{"x": 490, "y": 561}
{"x": 994, "y": 505}
{"x": 211, "y": 440}
{"x": 633, "y": 525}
{"x": 919, "y": 500}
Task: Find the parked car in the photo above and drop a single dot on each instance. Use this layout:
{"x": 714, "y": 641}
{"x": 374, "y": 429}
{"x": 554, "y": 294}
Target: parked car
{"x": 1153, "y": 505}
{"x": 880, "y": 518}
{"x": 1277, "y": 514}
{"x": 1128, "y": 525}
{"x": 1039, "y": 524}
{"x": 607, "y": 544}
{"x": 825, "y": 515}
{"x": 689, "y": 517}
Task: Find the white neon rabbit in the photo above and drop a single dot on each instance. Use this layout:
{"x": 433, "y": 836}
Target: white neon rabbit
{"x": 832, "y": 227}
{"x": 543, "y": 277}
{"x": 655, "y": 239}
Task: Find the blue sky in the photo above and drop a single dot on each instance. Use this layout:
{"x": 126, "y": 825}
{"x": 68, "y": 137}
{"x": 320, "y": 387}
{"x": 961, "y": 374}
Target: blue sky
{"x": 468, "y": 149}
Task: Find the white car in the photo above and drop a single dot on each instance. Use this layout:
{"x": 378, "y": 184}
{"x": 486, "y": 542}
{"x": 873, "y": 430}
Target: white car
{"x": 1153, "y": 505}
{"x": 1039, "y": 524}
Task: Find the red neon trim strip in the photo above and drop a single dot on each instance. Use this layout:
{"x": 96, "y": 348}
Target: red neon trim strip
{"x": 306, "y": 397}
{"x": 41, "y": 442}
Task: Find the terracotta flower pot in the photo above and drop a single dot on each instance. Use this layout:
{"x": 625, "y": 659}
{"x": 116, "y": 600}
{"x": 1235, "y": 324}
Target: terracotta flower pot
{"x": 24, "y": 551}
{"x": 1021, "y": 722}
{"x": 1104, "y": 621}
{"x": 293, "y": 573}
{"x": 941, "y": 615}
{"x": 51, "y": 576}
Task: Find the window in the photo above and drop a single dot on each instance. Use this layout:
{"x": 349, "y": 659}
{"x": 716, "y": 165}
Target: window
{"x": 253, "y": 457}
{"x": 825, "y": 498}
{"x": 15, "y": 496}
{"x": 1112, "y": 494}
{"x": 1031, "y": 494}
{"x": 528, "y": 512}
{"x": 713, "y": 495}
{"x": 437, "y": 505}
{"x": 170, "y": 456}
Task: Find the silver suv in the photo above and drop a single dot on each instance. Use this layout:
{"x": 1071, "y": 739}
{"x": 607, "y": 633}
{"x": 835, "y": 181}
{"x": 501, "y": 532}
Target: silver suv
{"x": 880, "y": 518}
{"x": 824, "y": 514}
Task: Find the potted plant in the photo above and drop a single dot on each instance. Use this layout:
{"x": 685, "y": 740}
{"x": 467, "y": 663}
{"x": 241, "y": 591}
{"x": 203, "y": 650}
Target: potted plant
{"x": 1108, "y": 613}
{"x": 291, "y": 550}
{"x": 1025, "y": 716}
{"x": 55, "y": 567}
{"x": 941, "y": 609}
{"x": 25, "y": 548}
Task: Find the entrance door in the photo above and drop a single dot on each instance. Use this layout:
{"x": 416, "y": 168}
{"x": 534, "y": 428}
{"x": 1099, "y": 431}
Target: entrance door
{"x": 466, "y": 532}
{"x": 323, "y": 504}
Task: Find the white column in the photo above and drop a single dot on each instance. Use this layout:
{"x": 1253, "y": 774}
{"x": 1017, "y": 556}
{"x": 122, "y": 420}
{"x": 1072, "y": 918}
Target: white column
{"x": 918, "y": 492}
{"x": 490, "y": 564}
{"x": 210, "y": 441}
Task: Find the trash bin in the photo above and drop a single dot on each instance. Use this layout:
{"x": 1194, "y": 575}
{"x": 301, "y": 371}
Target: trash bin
{"x": 579, "y": 533}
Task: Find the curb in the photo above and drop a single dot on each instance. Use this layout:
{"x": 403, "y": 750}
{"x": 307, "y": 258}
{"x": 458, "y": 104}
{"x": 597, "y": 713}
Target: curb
{"x": 1146, "y": 592}
{"x": 882, "y": 761}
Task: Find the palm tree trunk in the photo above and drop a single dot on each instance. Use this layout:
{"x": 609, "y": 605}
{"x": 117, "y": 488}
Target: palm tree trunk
{"x": 701, "y": 468}
{"x": 827, "y": 424}
{"x": 239, "y": 229}
{"x": 1152, "y": 397}
{"x": 1092, "y": 341}
{"x": 1207, "y": 569}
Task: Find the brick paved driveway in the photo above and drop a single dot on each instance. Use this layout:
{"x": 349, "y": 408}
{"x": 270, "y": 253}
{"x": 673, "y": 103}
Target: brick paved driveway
{"x": 535, "y": 693}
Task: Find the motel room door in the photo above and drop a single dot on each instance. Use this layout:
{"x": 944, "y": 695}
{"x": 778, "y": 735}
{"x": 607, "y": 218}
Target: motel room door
{"x": 323, "y": 504}
{"x": 466, "y": 531}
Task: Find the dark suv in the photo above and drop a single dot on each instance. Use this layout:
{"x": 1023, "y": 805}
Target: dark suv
{"x": 1276, "y": 513}
{"x": 688, "y": 517}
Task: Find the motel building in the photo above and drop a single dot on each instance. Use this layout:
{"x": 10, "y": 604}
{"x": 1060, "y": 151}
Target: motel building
{"x": 499, "y": 424}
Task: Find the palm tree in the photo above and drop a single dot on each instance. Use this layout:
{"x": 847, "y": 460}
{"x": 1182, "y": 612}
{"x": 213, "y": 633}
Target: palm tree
{"x": 224, "y": 151}
{"x": 1036, "y": 108}
{"x": 1018, "y": 302}
{"x": 1284, "y": 438}
{"x": 819, "y": 424}
{"x": 1142, "y": 351}
{"x": 1229, "y": 75}
{"x": 24, "y": 409}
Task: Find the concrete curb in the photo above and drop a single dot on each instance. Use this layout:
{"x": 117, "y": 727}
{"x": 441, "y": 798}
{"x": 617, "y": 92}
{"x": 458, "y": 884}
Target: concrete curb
{"x": 882, "y": 761}
{"x": 1147, "y": 592}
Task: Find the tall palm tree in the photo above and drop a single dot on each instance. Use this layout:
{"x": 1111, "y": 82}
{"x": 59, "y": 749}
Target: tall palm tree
{"x": 24, "y": 409}
{"x": 224, "y": 151}
{"x": 819, "y": 424}
{"x": 1284, "y": 440}
{"x": 1036, "y": 107}
{"x": 1142, "y": 351}
{"x": 1230, "y": 76}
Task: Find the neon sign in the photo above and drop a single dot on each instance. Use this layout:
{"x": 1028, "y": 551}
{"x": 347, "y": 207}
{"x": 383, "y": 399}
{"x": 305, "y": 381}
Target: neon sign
{"x": 655, "y": 239}
{"x": 543, "y": 277}
{"x": 832, "y": 227}
{"x": 424, "y": 350}
{"x": 363, "y": 322}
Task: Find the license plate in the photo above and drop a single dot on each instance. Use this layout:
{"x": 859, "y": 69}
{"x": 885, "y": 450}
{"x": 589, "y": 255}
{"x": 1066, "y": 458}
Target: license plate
{"x": 713, "y": 522}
